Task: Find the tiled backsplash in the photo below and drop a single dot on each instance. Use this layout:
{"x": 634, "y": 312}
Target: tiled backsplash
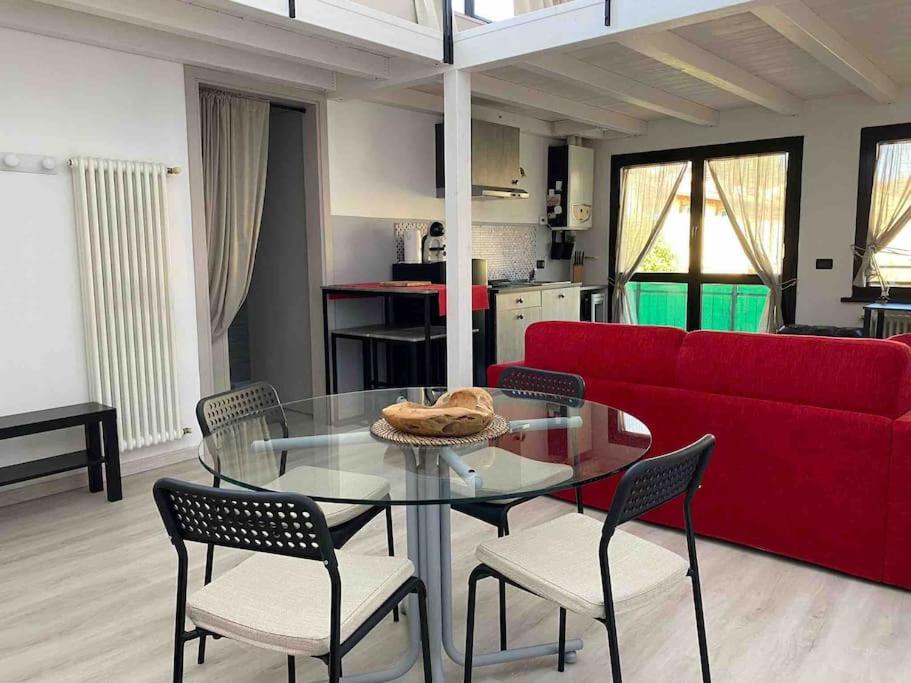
{"x": 509, "y": 249}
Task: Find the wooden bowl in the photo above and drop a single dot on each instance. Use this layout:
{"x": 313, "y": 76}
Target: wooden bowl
{"x": 461, "y": 412}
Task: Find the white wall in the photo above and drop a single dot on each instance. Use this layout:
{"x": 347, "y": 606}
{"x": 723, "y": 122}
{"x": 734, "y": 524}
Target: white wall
{"x": 64, "y": 99}
{"x": 382, "y": 165}
{"x": 831, "y": 130}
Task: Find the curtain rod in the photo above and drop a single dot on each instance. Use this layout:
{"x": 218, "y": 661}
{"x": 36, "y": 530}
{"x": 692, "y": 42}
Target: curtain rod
{"x": 172, "y": 170}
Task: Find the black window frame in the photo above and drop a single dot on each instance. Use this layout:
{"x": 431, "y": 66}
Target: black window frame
{"x": 697, "y": 156}
{"x": 870, "y": 138}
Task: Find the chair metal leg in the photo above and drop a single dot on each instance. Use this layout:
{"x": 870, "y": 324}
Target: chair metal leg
{"x": 611, "y": 623}
{"x": 561, "y": 660}
{"x": 700, "y": 627}
{"x": 292, "y": 674}
{"x": 201, "y": 655}
{"x": 425, "y": 634}
{"x": 178, "y": 660}
{"x": 335, "y": 667}
{"x": 469, "y": 626}
{"x": 503, "y": 530}
{"x": 390, "y": 543}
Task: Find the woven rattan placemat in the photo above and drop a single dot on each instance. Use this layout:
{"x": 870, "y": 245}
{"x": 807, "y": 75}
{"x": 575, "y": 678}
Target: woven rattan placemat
{"x": 385, "y": 431}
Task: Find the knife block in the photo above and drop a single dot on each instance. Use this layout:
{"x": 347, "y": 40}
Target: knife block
{"x": 577, "y": 273}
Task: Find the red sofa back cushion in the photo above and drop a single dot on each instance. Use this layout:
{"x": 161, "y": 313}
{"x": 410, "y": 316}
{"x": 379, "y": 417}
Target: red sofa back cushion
{"x": 864, "y": 376}
{"x": 625, "y": 353}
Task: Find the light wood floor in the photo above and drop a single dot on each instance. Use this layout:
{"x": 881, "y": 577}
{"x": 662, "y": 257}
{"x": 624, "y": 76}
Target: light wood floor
{"x": 87, "y": 594}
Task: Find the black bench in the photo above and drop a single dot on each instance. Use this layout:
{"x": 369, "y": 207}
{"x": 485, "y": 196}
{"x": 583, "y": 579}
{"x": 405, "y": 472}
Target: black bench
{"x": 101, "y": 445}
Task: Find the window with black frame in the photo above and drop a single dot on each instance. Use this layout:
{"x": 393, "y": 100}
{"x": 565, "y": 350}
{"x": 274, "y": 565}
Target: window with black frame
{"x": 706, "y": 237}
{"x": 882, "y": 245}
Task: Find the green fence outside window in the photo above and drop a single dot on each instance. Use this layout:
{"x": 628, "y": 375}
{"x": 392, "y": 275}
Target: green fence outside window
{"x": 724, "y": 307}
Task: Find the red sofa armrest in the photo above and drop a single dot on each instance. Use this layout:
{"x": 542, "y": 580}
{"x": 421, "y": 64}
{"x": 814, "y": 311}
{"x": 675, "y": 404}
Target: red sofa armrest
{"x": 897, "y": 570}
{"x": 493, "y": 371}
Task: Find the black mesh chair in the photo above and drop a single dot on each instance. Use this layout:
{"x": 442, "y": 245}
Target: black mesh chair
{"x": 556, "y": 560}
{"x": 564, "y": 390}
{"x": 286, "y": 597}
{"x": 260, "y": 400}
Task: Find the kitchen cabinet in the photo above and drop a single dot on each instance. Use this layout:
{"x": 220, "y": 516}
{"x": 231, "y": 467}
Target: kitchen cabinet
{"x": 511, "y": 326}
{"x": 516, "y": 310}
{"x": 560, "y": 304}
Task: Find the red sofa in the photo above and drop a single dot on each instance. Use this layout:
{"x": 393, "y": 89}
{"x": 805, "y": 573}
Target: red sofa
{"x": 814, "y": 434}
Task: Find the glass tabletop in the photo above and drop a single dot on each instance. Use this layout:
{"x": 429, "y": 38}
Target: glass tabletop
{"x": 323, "y": 448}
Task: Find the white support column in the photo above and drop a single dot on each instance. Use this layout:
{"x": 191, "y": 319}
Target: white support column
{"x": 457, "y": 136}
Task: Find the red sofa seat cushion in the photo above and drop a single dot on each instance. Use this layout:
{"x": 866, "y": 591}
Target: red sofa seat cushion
{"x": 625, "y": 353}
{"x": 864, "y": 376}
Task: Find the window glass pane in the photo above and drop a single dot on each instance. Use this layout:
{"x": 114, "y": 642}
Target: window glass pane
{"x": 659, "y": 303}
{"x": 458, "y": 6}
{"x": 721, "y": 250}
{"x": 890, "y": 200}
{"x": 494, "y": 10}
{"x": 671, "y": 252}
{"x": 733, "y": 308}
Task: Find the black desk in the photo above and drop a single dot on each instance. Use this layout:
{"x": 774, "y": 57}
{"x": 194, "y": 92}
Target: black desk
{"x": 101, "y": 445}
{"x": 427, "y": 295}
{"x": 882, "y": 310}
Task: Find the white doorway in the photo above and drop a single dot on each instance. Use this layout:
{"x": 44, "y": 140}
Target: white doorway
{"x": 278, "y": 332}
{"x": 269, "y": 339}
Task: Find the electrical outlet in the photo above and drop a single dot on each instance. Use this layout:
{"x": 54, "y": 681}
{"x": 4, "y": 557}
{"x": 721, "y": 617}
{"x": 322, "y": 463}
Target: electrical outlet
{"x": 539, "y": 264}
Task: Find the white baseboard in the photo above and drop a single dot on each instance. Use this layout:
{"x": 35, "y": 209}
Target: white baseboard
{"x": 48, "y": 486}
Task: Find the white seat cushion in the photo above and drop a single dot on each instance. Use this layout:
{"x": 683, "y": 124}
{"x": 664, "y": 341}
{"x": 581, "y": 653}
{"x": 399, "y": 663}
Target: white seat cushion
{"x": 503, "y": 471}
{"x": 558, "y": 560}
{"x": 283, "y": 603}
{"x": 333, "y": 483}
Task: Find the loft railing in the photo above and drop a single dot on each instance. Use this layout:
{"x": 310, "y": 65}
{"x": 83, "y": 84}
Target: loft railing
{"x": 448, "y": 29}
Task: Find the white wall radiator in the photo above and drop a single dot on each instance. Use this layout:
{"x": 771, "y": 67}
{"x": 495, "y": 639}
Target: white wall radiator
{"x": 896, "y": 323}
{"x": 122, "y": 236}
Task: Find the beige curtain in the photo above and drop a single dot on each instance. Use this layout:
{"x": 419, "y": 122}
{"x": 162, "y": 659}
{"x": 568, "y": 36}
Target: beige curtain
{"x": 646, "y": 195}
{"x": 235, "y": 146}
{"x": 429, "y": 13}
{"x": 890, "y": 203}
{"x": 524, "y": 6}
{"x": 752, "y": 190}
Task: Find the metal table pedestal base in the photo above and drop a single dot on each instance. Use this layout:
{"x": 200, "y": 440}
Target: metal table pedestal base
{"x": 429, "y": 548}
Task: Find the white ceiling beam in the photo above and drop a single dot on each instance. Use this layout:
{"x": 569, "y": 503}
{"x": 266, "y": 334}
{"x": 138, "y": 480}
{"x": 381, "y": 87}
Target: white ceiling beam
{"x": 429, "y": 103}
{"x": 344, "y": 21}
{"x": 34, "y": 17}
{"x": 580, "y": 23}
{"x": 621, "y": 88}
{"x": 681, "y": 54}
{"x": 565, "y": 128}
{"x": 596, "y": 117}
{"x": 230, "y": 30}
{"x": 402, "y": 74}
{"x": 799, "y": 24}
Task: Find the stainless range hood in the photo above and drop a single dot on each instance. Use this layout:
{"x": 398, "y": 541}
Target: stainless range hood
{"x": 495, "y": 170}
{"x": 481, "y": 192}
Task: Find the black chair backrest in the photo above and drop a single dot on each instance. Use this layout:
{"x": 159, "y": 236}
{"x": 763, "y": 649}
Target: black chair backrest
{"x": 651, "y": 483}
{"x": 222, "y": 409}
{"x": 278, "y": 523}
{"x": 522, "y": 382}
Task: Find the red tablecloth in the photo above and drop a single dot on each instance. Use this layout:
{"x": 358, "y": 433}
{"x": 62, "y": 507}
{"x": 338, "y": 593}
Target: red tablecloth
{"x": 480, "y": 301}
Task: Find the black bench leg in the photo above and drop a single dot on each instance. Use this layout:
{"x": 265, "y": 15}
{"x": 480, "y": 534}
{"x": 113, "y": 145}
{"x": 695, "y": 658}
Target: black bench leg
{"x": 95, "y": 456}
{"x": 112, "y": 458}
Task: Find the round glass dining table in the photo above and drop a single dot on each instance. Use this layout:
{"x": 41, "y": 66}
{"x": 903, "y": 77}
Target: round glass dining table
{"x": 323, "y": 448}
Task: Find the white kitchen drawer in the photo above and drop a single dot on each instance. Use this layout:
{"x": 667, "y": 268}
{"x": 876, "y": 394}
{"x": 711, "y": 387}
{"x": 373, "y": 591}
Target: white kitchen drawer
{"x": 510, "y": 301}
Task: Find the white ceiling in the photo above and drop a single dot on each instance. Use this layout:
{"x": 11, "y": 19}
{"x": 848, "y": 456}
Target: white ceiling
{"x": 879, "y": 29}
